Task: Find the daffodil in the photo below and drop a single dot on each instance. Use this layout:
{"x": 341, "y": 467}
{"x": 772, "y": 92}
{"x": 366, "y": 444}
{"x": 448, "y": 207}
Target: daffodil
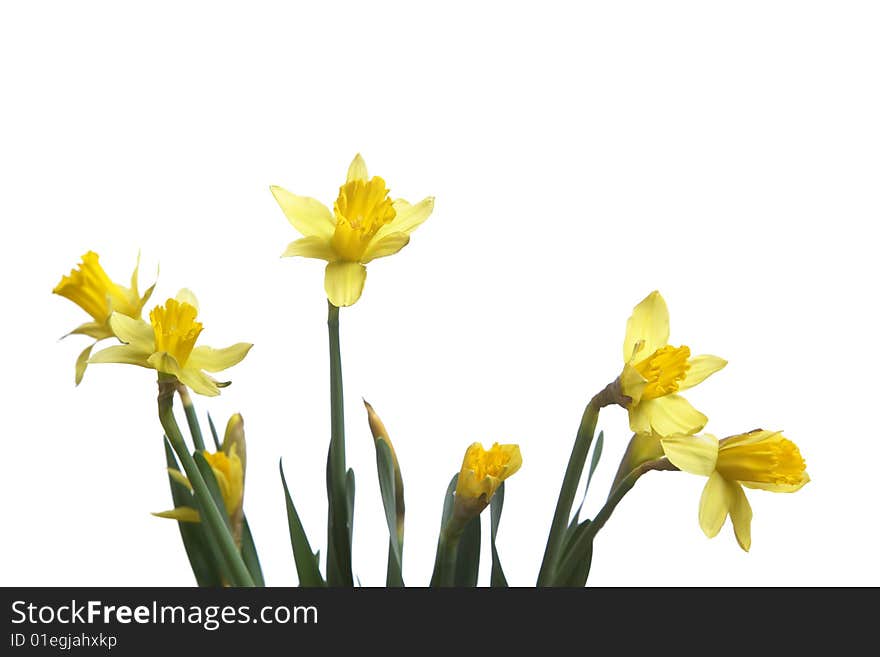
{"x": 655, "y": 371}
{"x": 482, "y": 472}
{"x": 758, "y": 459}
{"x": 229, "y": 473}
{"x": 89, "y": 287}
{"x": 167, "y": 344}
{"x": 365, "y": 224}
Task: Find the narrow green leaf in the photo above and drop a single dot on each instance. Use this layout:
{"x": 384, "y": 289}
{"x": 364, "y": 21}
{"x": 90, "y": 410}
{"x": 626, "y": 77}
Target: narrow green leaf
{"x": 467, "y": 560}
{"x": 249, "y": 553}
{"x": 306, "y": 561}
{"x": 496, "y": 505}
{"x": 444, "y": 518}
{"x": 597, "y": 454}
{"x": 574, "y": 565}
{"x": 387, "y": 486}
{"x": 214, "y": 433}
{"x": 349, "y": 507}
{"x": 204, "y": 563}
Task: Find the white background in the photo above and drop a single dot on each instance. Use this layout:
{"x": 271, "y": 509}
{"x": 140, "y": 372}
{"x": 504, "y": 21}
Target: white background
{"x": 581, "y": 156}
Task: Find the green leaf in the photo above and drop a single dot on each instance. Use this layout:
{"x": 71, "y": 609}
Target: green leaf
{"x": 467, "y": 560}
{"x": 574, "y": 565}
{"x": 496, "y": 505}
{"x": 249, "y": 553}
{"x": 205, "y": 563}
{"x": 192, "y": 420}
{"x": 306, "y": 561}
{"x": 349, "y": 505}
{"x": 388, "y": 488}
{"x": 597, "y": 454}
{"x": 444, "y": 518}
{"x": 214, "y": 433}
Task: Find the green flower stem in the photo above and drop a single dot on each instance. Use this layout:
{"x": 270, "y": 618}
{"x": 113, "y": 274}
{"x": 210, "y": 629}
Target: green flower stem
{"x": 614, "y": 499}
{"x": 191, "y": 419}
{"x": 212, "y": 517}
{"x": 552, "y": 553}
{"x": 338, "y": 543}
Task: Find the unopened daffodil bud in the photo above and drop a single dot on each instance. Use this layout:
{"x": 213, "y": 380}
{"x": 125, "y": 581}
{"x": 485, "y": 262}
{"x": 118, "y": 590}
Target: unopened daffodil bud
{"x": 380, "y": 433}
{"x": 482, "y": 472}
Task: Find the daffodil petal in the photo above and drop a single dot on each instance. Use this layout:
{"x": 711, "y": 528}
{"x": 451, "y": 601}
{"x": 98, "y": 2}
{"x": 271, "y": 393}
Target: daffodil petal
{"x": 199, "y": 382}
{"x": 778, "y": 488}
{"x": 309, "y": 216}
{"x": 699, "y": 369}
{"x": 632, "y": 384}
{"x": 162, "y": 361}
{"x": 740, "y": 515}
{"x": 181, "y": 513}
{"x": 409, "y": 217}
{"x": 180, "y": 478}
{"x": 385, "y": 246}
{"x": 121, "y": 353}
{"x": 311, "y": 247}
{"x": 648, "y": 325}
{"x": 215, "y": 360}
{"x": 82, "y": 361}
{"x": 185, "y": 295}
{"x": 714, "y": 505}
{"x": 695, "y": 454}
{"x": 134, "y": 332}
{"x": 357, "y": 170}
{"x": 514, "y": 462}
{"x": 666, "y": 415}
{"x": 93, "y": 330}
{"x": 344, "y": 282}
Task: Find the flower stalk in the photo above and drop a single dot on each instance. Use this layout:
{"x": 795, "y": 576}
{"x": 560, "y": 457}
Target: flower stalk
{"x": 217, "y": 525}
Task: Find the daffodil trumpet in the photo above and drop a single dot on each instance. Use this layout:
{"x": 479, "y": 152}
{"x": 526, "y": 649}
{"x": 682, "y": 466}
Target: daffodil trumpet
{"x": 211, "y": 515}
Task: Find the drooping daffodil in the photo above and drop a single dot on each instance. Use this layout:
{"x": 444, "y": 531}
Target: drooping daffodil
{"x": 365, "y": 224}
{"x": 758, "y": 459}
{"x": 89, "y": 287}
{"x": 655, "y": 371}
{"x": 167, "y": 345}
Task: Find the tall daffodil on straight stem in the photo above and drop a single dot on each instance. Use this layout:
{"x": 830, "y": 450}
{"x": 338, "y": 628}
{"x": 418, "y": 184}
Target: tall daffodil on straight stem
{"x": 168, "y": 345}
{"x": 757, "y": 459}
{"x": 655, "y": 371}
{"x": 365, "y": 224}
{"x": 89, "y": 287}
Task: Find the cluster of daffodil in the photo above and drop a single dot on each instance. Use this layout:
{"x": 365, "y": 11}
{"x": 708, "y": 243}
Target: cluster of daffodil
{"x": 207, "y": 487}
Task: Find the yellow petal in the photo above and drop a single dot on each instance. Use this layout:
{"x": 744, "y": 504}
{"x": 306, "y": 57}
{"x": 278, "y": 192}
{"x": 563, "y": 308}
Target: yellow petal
{"x": 699, "y": 369}
{"x": 666, "y": 415}
{"x": 695, "y": 454}
{"x": 82, "y": 361}
{"x": 740, "y": 516}
{"x": 121, "y": 353}
{"x": 514, "y": 460}
{"x": 181, "y": 513}
{"x": 311, "y": 247}
{"x": 632, "y": 384}
{"x": 309, "y": 216}
{"x": 162, "y": 361}
{"x": 185, "y": 295}
{"x": 408, "y": 217}
{"x": 134, "y": 332}
{"x": 199, "y": 382}
{"x": 714, "y": 505}
{"x": 215, "y": 360}
{"x": 357, "y": 170}
{"x": 180, "y": 478}
{"x": 344, "y": 282}
{"x": 777, "y": 488}
{"x": 647, "y": 327}
{"x": 97, "y": 330}
{"x": 385, "y": 246}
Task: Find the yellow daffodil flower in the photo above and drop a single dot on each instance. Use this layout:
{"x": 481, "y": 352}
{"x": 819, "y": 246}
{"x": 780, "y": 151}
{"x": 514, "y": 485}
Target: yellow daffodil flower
{"x": 758, "y": 459}
{"x": 365, "y": 224}
{"x": 167, "y": 344}
{"x": 654, "y": 371}
{"x": 482, "y": 472}
{"x": 89, "y": 287}
{"x": 229, "y": 472}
